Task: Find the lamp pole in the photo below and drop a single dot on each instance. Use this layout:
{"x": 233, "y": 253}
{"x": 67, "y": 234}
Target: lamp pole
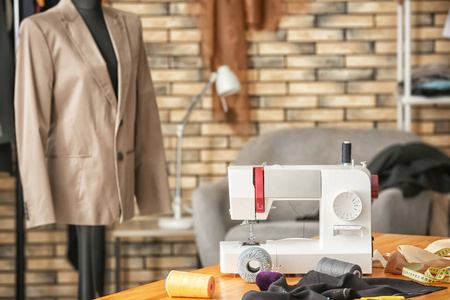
{"x": 226, "y": 84}
{"x": 176, "y": 205}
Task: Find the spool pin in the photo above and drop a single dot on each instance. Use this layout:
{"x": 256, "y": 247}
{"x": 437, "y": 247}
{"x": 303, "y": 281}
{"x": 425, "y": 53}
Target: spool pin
{"x": 185, "y": 284}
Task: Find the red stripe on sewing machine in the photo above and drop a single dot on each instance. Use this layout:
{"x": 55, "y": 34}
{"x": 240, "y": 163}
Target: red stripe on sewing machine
{"x": 258, "y": 182}
{"x": 374, "y": 186}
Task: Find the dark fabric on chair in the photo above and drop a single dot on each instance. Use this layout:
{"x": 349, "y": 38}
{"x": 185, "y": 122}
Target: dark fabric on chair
{"x": 413, "y": 167}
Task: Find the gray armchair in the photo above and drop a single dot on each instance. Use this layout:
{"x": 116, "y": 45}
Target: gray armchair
{"x": 391, "y": 213}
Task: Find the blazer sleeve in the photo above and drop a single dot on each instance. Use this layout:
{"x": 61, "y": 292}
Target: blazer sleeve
{"x": 33, "y": 94}
{"x": 152, "y": 188}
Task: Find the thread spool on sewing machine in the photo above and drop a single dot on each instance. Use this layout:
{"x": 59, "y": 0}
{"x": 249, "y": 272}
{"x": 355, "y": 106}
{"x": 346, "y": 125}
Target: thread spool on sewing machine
{"x": 344, "y": 192}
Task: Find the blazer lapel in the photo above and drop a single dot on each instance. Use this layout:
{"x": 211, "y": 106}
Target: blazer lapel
{"x": 119, "y": 38}
{"x": 83, "y": 41}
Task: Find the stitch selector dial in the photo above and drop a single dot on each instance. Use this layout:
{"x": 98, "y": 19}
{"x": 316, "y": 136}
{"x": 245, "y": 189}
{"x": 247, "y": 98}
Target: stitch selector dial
{"x": 347, "y": 206}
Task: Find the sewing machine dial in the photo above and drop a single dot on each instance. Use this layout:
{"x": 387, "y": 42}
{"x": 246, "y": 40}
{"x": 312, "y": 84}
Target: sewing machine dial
{"x": 347, "y": 206}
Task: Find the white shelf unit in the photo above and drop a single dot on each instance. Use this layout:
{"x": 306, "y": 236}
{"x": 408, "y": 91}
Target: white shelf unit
{"x": 405, "y": 101}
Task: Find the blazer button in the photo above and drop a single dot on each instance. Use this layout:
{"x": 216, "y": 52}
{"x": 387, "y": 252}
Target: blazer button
{"x": 120, "y": 156}
{"x": 121, "y": 122}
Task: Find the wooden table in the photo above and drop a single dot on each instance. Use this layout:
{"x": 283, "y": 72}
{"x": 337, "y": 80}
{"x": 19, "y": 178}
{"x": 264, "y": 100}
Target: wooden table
{"x": 232, "y": 287}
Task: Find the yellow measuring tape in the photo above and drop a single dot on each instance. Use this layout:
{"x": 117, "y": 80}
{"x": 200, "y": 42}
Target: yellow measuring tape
{"x": 382, "y": 298}
{"x": 432, "y": 274}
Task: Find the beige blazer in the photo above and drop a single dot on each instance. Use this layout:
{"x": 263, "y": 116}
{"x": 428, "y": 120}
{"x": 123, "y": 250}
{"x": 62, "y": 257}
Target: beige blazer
{"x": 83, "y": 155}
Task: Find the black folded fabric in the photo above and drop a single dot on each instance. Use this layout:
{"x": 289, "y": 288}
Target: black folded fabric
{"x": 320, "y": 286}
{"x": 412, "y": 167}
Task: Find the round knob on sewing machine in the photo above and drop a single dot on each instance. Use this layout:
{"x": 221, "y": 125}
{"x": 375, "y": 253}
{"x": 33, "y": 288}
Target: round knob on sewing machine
{"x": 347, "y": 206}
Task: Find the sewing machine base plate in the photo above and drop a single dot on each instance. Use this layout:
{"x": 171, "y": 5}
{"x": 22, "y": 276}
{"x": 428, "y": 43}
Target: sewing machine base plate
{"x": 300, "y": 261}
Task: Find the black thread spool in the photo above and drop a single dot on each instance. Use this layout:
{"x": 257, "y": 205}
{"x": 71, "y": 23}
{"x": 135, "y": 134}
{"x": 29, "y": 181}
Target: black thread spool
{"x": 337, "y": 268}
{"x": 346, "y": 152}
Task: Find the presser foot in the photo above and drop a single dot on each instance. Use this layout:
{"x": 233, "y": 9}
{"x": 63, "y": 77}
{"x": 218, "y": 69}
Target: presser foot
{"x": 251, "y": 241}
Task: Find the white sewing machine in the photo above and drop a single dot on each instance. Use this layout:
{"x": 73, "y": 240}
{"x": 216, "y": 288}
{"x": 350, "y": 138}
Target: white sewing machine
{"x": 344, "y": 192}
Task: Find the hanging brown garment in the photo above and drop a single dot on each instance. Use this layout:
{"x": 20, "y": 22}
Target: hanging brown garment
{"x": 223, "y": 24}
{"x": 263, "y": 14}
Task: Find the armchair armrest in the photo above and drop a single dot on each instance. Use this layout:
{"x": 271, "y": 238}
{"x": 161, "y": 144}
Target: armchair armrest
{"x": 392, "y": 213}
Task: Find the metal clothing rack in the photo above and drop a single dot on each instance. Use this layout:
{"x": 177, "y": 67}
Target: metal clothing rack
{"x": 405, "y": 101}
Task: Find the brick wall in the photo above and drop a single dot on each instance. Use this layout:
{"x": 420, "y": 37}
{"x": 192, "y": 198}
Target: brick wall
{"x": 50, "y": 276}
{"x": 330, "y": 64}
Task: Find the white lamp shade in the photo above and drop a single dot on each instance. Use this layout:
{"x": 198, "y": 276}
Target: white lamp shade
{"x": 227, "y": 83}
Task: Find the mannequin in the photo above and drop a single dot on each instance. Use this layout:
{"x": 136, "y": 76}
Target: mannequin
{"x": 92, "y": 14}
{"x": 88, "y": 132}
{"x": 49, "y": 4}
{"x": 91, "y": 239}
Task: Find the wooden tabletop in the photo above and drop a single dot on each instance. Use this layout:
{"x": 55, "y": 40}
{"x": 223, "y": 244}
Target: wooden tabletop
{"x": 232, "y": 287}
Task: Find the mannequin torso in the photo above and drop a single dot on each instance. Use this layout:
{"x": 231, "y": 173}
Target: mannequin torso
{"x": 92, "y": 14}
{"x": 91, "y": 239}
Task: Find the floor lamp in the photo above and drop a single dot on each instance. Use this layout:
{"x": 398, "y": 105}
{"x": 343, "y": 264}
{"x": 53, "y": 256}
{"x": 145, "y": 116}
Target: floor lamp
{"x": 226, "y": 84}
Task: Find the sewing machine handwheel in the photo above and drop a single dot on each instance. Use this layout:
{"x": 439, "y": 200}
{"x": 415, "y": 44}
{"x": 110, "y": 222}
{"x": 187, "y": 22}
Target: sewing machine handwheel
{"x": 347, "y": 206}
